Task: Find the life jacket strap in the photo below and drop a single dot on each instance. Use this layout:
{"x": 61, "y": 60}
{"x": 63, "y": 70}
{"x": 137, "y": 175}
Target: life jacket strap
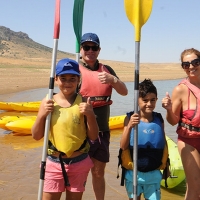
{"x": 100, "y": 98}
{"x": 189, "y": 127}
{"x": 53, "y": 149}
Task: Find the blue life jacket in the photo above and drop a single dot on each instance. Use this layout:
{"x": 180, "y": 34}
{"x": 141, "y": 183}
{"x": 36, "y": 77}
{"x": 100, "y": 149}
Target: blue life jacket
{"x": 151, "y": 143}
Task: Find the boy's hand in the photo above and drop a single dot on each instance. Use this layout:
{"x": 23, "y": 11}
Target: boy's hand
{"x": 134, "y": 120}
{"x": 86, "y": 108}
{"x": 166, "y": 102}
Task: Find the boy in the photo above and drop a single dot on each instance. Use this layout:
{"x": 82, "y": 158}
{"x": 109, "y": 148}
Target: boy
{"x": 151, "y": 144}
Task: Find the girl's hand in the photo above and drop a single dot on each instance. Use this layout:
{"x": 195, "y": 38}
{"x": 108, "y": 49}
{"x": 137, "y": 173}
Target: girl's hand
{"x": 46, "y": 107}
{"x": 86, "y": 108}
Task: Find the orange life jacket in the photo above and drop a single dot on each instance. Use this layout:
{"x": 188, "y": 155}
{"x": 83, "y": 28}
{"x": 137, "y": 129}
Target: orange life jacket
{"x": 100, "y": 94}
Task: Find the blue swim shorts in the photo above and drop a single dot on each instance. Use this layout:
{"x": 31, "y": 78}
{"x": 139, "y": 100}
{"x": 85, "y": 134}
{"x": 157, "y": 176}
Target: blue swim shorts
{"x": 148, "y": 184}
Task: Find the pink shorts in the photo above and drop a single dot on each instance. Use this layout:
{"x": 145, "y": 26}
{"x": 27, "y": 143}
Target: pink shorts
{"x": 77, "y": 174}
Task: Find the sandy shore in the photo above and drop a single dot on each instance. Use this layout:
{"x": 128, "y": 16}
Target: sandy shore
{"x": 16, "y": 76}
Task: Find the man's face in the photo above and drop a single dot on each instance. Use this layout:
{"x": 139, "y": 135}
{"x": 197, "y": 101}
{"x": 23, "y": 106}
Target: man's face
{"x": 89, "y": 52}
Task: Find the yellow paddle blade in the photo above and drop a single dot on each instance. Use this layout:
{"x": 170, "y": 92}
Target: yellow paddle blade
{"x": 138, "y": 12}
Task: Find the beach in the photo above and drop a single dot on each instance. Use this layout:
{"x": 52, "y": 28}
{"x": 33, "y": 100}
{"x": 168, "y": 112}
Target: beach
{"x": 21, "y": 155}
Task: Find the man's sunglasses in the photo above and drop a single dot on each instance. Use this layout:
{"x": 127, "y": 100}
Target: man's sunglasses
{"x": 195, "y": 63}
{"x": 87, "y": 48}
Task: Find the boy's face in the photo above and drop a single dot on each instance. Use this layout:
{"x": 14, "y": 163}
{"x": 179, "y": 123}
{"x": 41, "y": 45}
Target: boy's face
{"x": 148, "y": 103}
{"x": 67, "y": 83}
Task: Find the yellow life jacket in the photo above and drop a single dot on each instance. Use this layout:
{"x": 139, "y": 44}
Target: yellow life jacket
{"x": 68, "y": 129}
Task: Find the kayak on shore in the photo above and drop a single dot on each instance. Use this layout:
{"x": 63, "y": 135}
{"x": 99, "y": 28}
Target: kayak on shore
{"x": 20, "y": 106}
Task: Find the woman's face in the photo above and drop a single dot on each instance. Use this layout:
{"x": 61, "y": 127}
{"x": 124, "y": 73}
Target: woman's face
{"x": 191, "y": 65}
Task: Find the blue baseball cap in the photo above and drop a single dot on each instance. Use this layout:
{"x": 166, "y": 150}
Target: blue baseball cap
{"x": 67, "y": 66}
{"x": 90, "y": 37}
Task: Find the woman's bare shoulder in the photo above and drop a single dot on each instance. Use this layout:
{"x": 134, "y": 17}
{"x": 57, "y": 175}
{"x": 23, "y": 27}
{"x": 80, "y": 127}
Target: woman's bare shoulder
{"x": 181, "y": 88}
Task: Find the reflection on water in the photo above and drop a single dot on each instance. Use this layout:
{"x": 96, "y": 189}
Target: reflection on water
{"x": 121, "y": 105}
{"x": 20, "y": 142}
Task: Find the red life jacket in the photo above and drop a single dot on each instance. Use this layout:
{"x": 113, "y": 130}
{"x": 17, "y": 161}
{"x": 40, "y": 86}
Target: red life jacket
{"x": 190, "y": 128}
{"x": 100, "y": 94}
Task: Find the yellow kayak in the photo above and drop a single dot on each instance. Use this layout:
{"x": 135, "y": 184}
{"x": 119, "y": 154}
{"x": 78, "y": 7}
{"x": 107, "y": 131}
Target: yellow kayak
{"x": 22, "y": 125}
{"x": 116, "y": 122}
{"x": 26, "y": 106}
{"x": 5, "y": 106}
{"x": 20, "y": 106}
{"x": 21, "y": 122}
{"x": 6, "y": 119}
{"x": 176, "y": 167}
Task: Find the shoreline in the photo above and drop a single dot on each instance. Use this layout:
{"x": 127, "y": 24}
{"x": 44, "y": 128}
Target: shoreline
{"x": 17, "y": 79}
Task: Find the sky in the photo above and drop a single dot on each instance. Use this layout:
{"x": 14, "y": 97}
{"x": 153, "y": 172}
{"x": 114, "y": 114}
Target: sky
{"x": 174, "y": 25}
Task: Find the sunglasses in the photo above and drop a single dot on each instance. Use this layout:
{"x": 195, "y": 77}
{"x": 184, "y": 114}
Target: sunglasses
{"x": 195, "y": 63}
{"x": 87, "y": 48}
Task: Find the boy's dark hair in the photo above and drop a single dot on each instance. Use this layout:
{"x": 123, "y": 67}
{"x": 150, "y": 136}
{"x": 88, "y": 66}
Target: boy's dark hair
{"x": 146, "y": 87}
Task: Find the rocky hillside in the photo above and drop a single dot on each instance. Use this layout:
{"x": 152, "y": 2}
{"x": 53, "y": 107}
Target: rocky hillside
{"x": 18, "y": 46}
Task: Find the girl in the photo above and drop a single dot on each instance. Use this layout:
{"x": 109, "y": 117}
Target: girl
{"x": 72, "y": 121}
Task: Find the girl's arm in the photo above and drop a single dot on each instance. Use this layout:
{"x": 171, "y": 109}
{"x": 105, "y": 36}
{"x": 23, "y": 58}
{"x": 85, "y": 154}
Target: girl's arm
{"x": 39, "y": 126}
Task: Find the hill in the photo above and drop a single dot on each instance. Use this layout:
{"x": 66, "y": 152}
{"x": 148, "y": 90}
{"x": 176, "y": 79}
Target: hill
{"x": 19, "y": 48}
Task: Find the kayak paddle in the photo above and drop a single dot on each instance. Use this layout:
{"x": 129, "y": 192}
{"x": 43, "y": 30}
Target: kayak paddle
{"x": 50, "y": 95}
{"x": 77, "y": 23}
{"x": 138, "y": 12}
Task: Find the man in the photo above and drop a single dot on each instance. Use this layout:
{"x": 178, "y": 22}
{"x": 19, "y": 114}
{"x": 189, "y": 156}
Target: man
{"x": 97, "y": 83}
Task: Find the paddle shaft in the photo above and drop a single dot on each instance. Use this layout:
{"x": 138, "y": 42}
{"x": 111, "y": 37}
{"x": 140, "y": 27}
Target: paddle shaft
{"x": 50, "y": 95}
{"x": 138, "y": 13}
{"x": 136, "y": 95}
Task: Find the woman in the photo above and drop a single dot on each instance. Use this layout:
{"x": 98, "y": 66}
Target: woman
{"x": 184, "y": 108}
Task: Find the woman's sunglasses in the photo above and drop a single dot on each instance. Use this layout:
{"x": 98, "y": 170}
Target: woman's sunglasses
{"x": 195, "y": 63}
{"x": 87, "y": 48}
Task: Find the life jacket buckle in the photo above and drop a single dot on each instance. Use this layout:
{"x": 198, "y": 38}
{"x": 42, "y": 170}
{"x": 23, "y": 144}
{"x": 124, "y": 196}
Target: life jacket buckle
{"x": 108, "y": 99}
{"x": 51, "y": 152}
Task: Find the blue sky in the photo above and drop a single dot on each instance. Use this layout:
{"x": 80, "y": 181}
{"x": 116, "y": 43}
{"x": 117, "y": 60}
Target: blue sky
{"x": 173, "y": 26}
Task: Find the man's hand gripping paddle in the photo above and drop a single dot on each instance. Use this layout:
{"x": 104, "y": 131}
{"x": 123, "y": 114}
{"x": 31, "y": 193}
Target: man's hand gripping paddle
{"x": 50, "y": 95}
{"x": 138, "y": 12}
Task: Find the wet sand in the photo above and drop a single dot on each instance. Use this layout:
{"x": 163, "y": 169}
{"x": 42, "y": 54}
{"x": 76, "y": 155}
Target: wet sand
{"x": 19, "y": 170}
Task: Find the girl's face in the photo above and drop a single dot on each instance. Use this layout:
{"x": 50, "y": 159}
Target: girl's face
{"x": 67, "y": 83}
{"x": 148, "y": 103}
{"x": 190, "y": 65}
